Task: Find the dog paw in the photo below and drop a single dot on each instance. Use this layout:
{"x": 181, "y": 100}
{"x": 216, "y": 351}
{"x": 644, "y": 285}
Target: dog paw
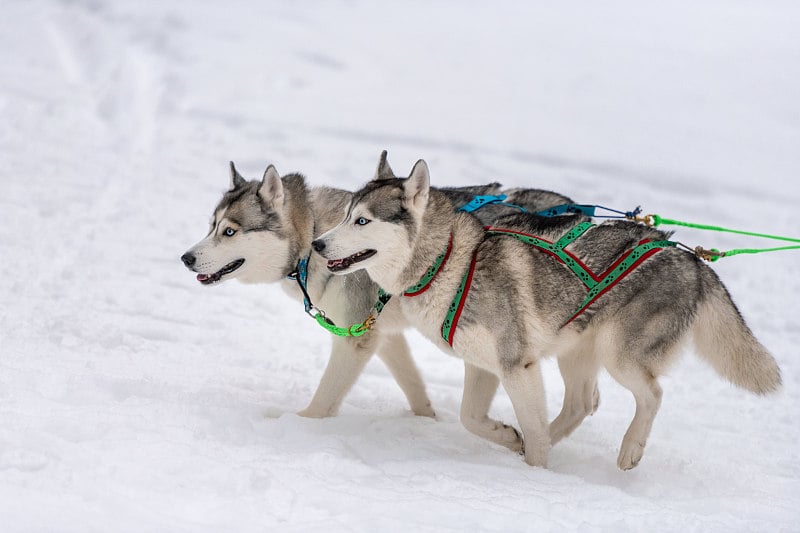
{"x": 629, "y": 455}
{"x": 425, "y": 410}
{"x": 510, "y": 438}
{"x": 308, "y": 412}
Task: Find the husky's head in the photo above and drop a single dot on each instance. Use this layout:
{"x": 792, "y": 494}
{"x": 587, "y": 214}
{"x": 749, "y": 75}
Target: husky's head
{"x": 249, "y": 238}
{"x": 378, "y": 231}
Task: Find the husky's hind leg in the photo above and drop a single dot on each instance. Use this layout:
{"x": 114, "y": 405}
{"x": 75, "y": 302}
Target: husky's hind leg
{"x": 647, "y": 393}
{"x": 579, "y": 368}
{"x": 394, "y": 352}
{"x": 525, "y": 388}
{"x": 479, "y": 389}
{"x": 348, "y": 357}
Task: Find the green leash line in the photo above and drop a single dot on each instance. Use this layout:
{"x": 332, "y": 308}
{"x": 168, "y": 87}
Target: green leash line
{"x": 759, "y": 250}
{"x": 714, "y": 254}
{"x": 658, "y": 220}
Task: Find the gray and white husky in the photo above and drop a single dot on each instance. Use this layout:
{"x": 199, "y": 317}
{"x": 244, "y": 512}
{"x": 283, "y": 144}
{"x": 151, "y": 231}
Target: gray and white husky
{"x": 502, "y": 304}
{"x": 260, "y": 231}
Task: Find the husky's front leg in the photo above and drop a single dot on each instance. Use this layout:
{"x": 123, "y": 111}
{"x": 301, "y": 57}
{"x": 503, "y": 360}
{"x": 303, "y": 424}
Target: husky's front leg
{"x": 523, "y": 383}
{"x": 348, "y": 357}
{"x": 394, "y": 352}
{"x": 479, "y": 390}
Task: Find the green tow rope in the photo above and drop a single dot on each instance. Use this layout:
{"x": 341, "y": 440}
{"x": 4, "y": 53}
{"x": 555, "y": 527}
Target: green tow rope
{"x": 714, "y": 254}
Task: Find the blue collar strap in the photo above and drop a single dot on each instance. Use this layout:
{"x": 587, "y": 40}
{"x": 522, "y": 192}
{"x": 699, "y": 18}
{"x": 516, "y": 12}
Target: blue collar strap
{"x": 300, "y": 274}
{"x": 587, "y": 210}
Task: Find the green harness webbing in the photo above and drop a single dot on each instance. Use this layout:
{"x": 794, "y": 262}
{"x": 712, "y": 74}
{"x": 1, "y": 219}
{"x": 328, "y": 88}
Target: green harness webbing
{"x": 556, "y": 249}
{"x": 596, "y": 284}
{"x": 425, "y": 282}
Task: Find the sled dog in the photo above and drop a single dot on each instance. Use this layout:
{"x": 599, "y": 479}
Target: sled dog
{"x": 502, "y": 304}
{"x": 260, "y": 230}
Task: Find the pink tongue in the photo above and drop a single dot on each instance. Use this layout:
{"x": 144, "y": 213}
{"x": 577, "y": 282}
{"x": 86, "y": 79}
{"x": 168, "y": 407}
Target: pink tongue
{"x": 335, "y": 262}
{"x": 202, "y": 277}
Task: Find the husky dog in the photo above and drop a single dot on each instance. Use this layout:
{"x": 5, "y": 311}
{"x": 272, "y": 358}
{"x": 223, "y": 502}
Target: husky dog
{"x": 525, "y": 304}
{"x": 260, "y": 230}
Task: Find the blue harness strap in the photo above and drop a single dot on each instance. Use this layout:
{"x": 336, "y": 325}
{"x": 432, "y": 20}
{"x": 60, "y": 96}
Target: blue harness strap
{"x": 487, "y": 199}
{"x": 587, "y": 210}
{"x": 568, "y": 209}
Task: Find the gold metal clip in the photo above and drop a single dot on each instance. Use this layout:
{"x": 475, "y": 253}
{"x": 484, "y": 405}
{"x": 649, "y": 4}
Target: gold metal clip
{"x": 647, "y": 220}
{"x": 368, "y": 323}
{"x": 708, "y": 255}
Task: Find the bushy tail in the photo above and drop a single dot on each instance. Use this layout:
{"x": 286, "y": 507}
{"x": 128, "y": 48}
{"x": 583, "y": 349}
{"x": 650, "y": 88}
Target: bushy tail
{"x": 724, "y": 340}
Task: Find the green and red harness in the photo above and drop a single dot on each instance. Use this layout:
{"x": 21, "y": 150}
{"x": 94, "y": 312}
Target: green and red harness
{"x": 595, "y": 284}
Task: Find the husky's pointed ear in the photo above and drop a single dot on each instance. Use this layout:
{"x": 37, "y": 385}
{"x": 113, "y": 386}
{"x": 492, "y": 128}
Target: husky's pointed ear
{"x": 236, "y": 179}
{"x": 383, "y": 171}
{"x": 271, "y": 189}
{"x": 417, "y": 186}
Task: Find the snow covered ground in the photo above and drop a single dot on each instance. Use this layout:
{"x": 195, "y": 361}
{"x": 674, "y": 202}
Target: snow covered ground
{"x": 133, "y": 399}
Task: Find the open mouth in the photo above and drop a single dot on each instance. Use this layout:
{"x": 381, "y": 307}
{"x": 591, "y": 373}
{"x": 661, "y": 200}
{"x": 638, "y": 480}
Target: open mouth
{"x": 207, "y": 279}
{"x": 337, "y": 265}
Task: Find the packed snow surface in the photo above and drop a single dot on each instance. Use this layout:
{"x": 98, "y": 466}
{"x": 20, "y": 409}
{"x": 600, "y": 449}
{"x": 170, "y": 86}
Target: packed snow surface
{"x": 134, "y": 399}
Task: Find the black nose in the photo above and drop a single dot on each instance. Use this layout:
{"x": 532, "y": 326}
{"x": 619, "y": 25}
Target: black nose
{"x": 188, "y": 259}
{"x": 318, "y": 245}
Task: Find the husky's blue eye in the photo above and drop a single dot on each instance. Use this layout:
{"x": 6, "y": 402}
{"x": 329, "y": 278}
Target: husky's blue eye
{"x": 361, "y": 221}
{"x": 229, "y": 232}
